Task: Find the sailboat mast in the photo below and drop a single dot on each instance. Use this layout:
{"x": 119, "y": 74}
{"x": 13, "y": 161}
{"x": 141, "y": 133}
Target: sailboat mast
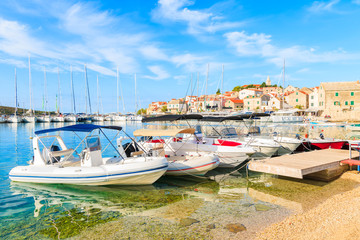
{"x": 45, "y": 91}
{"x": 197, "y": 94}
{"x": 117, "y": 89}
{"x": 136, "y": 106}
{"x": 122, "y": 96}
{"x": 16, "y": 100}
{"x": 30, "y": 88}
{"x": 87, "y": 92}
{"x": 59, "y": 91}
{"x": 222, "y": 87}
{"x": 206, "y": 85}
{"x": 97, "y": 92}
{"x": 73, "y": 106}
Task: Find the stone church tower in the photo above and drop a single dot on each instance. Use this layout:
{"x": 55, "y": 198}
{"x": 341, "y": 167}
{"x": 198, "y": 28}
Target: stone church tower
{"x": 268, "y": 81}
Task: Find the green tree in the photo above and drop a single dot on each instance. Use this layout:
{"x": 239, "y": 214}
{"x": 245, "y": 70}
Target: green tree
{"x": 298, "y": 106}
{"x": 164, "y": 108}
{"x": 218, "y": 92}
{"x": 141, "y": 111}
{"x": 263, "y": 85}
{"x": 237, "y": 89}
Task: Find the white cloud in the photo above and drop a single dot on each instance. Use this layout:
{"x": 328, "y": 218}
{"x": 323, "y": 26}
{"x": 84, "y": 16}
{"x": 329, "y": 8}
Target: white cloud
{"x": 319, "y": 7}
{"x": 16, "y": 40}
{"x": 189, "y": 61}
{"x": 260, "y": 45}
{"x": 160, "y": 73}
{"x": 154, "y": 53}
{"x": 15, "y": 62}
{"x": 303, "y": 70}
{"x": 248, "y": 45}
{"x": 197, "y": 21}
{"x": 100, "y": 69}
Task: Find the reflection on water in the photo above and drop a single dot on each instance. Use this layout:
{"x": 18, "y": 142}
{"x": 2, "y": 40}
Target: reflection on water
{"x": 39, "y": 211}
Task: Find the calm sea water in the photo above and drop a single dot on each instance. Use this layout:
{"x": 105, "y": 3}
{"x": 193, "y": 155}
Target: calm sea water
{"x": 59, "y": 211}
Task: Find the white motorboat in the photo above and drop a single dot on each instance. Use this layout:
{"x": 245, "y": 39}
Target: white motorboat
{"x": 196, "y": 163}
{"x": 43, "y": 119}
{"x": 97, "y": 118}
{"x": 57, "y": 164}
{"x": 29, "y": 119}
{"x": 58, "y": 119}
{"x": 265, "y": 147}
{"x": 133, "y": 117}
{"x": 70, "y": 118}
{"x": 190, "y": 144}
{"x": 286, "y": 116}
{"x": 119, "y": 118}
{"x": 288, "y": 144}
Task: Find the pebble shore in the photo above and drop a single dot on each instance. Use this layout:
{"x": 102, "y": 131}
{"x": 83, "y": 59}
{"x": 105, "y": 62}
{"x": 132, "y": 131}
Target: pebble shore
{"x": 336, "y": 218}
{"x": 330, "y": 212}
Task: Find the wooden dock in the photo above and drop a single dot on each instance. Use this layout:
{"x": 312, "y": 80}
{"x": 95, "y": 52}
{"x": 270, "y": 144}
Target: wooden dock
{"x": 298, "y": 165}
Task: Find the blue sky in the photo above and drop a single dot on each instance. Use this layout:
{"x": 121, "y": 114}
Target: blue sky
{"x": 165, "y": 42}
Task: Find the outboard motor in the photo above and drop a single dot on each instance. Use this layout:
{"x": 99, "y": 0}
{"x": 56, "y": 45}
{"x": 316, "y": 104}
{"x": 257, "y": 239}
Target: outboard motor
{"x": 322, "y": 136}
{"x": 130, "y": 148}
{"x": 275, "y": 134}
{"x": 297, "y": 136}
{"x": 55, "y": 148}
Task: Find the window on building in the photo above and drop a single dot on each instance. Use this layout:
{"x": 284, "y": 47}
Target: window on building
{"x": 336, "y": 94}
{"x": 312, "y": 104}
{"x": 312, "y": 97}
{"x": 352, "y": 103}
{"x": 346, "y": 103}
{"x": 352, "y": 94}
{"x": 257, "y": 102}
{"x": 297, "y": 100}
{"x": 297, "y": 93}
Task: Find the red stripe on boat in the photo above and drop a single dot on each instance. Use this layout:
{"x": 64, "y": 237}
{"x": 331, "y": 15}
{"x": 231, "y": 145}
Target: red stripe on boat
{"x": 183, "y": 169}
{"x": 222, "y": 142}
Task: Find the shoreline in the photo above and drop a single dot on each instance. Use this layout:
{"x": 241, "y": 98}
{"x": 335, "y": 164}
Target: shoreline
{"x": 336, "y": 218}
{"x": 285, "y": 210}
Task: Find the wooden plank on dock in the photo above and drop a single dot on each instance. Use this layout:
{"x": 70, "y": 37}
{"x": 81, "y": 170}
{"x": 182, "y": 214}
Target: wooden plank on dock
{"x": 298, "y": 165}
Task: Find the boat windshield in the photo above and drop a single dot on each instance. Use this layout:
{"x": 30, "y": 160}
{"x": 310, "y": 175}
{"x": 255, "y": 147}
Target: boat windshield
{"x": 93, "y": 143}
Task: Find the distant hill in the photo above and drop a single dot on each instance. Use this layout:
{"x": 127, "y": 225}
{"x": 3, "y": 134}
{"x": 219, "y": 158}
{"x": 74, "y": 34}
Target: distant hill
{"x": 10, "y": 110}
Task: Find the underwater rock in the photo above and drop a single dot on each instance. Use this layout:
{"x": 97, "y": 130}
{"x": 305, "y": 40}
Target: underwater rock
{"x": 235, "y": 227}
{"x": 187, "y": 221}
{"x": 262, "y": 207}
{"x": 210, "y": 226}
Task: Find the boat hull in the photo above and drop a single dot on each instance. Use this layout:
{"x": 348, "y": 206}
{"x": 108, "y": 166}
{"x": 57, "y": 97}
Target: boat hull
{"x": 326, "y": 144}
{"x": 135, "y": 172}
{"x": 198, "y": 165}
{"x": 229, "y": 156}
{"x": 43, "y": 119}
{"x": 29, "y": 119}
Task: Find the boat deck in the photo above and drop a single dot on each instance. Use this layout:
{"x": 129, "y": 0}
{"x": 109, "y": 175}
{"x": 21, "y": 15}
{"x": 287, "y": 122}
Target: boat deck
{"x": 298, "y": 165}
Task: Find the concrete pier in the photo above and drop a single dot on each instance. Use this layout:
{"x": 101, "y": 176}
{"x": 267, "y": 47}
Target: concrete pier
{"x": 301, "y": 164}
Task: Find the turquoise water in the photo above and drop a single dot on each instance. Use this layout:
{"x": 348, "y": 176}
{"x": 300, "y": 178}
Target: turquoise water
{"x": 44, "y": 211}
{"x": 59, "y": 211}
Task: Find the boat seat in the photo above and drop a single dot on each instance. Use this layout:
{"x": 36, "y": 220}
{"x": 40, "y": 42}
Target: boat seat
{"x": 137, "y": 153}
{"x": 62, "y": 152}
{"x": 158, "y": 148}
{"x": 68, "y": 163}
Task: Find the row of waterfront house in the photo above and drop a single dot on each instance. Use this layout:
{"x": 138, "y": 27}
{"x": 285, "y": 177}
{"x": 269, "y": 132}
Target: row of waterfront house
{"x": 340, "y": 100}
